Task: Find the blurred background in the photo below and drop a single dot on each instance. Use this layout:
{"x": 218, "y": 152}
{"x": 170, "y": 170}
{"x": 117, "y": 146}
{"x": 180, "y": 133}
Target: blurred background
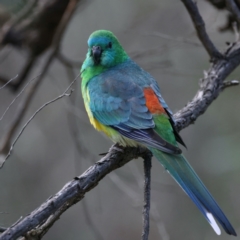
{"x": 59, "y": 143}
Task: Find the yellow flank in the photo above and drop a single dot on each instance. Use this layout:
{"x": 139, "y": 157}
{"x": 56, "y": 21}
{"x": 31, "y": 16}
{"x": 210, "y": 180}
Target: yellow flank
{"x": 110, "y": 132}
{"x": 113, "y": 134}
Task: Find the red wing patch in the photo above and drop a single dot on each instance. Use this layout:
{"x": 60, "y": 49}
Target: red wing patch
{"x": 152, "y": 102}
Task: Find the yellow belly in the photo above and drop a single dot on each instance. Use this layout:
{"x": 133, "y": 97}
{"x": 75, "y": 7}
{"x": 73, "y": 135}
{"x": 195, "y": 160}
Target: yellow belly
{"x": 115, "y": 136}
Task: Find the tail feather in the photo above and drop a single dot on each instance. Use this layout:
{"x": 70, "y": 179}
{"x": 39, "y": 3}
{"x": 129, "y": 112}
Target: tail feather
{"x": 185, "y": 176}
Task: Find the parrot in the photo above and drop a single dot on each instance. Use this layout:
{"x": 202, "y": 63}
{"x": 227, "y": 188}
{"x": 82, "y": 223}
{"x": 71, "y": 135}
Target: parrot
{"x": 124, "y": 101}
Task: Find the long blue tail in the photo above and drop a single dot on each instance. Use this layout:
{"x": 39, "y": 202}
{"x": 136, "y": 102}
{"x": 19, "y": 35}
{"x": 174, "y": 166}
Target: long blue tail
{"x": 185, "y": 176}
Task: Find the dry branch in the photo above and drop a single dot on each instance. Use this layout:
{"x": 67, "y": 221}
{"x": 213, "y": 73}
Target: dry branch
{"x": 2, "y": 229}
{"x": 18, "y": 118}
{"x": 69, "y": 11}
{"x": 233, "y": 8}
{"x": 147, "y": 195}
{"x": 201, "y": 31}
{"x": 73, "y": 192}
{"x": 67, "y": 93}
{"x": 232, "y": 17}
{"x": 210, "y": 87}
{"x": 37, "y": 33}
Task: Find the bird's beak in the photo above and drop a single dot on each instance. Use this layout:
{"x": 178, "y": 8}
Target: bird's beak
{"x": 96, "y": 54}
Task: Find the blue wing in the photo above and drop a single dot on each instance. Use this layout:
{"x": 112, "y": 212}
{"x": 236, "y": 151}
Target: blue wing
{"x": 117, "y": 100}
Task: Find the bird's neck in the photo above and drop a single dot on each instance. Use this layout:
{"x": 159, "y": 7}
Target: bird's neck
{"x": 91, "y": 72}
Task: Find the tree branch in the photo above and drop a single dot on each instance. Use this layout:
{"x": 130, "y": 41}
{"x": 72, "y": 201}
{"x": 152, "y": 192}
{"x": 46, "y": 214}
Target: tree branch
{"x": 201, "y": 31}
{"x": 67, "y": 93}
{"x": 233, "y": 8}
{"x": 5, "y": 148}
{"x": 34, "y": 32}
{"x": 210, "y": 86}
{"x": 73, "y": 191}
{"x": 7, "y": 81}
{"x": 147, "y": 194}
{"x": 2, "y": 229}
{"x": 18, "y": 117}
{"x": 232, "y": 83}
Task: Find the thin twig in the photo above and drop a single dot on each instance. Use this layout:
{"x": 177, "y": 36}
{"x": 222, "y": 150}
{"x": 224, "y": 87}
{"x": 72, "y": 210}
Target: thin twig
{"x": 71, "y": 8}
{"x": 230, "y": 83}
{"x": 147, "y": 195}
{"x": 66, "y": 93}
{"x": 9, "y": 81}
{"x": 201, "y": 31}
{"x": 19, "y": 94}
{"x": 3, "y": 80}
{"x": 74, "y": 191}
{"x": 18, "y": 118}
{"x": 82, "y": 151}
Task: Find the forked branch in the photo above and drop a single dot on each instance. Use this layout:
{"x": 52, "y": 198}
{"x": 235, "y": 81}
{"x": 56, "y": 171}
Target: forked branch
{"x": 213, "y": 82}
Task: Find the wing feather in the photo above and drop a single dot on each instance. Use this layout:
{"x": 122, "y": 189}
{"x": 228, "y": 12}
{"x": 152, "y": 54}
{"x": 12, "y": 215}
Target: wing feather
{"x": 117, "y": 99}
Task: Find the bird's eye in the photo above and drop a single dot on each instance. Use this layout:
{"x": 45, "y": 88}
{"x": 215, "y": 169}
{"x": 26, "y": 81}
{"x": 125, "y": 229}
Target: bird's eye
{"x": 110, "y": 45}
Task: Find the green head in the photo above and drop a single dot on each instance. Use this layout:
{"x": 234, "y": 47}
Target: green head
{"x": 104, "y": 51}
